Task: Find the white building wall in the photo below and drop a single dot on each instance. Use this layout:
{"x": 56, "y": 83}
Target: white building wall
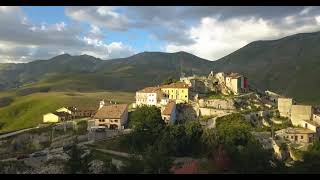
{"x": 234, "y": 86}
{"x": 151, "y": 98}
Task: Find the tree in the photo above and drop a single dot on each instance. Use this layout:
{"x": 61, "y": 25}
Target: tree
{"x": 311, "y": 160}
{"x": 233, "y": 130}
{"x": 134, "y": 166}
{"x": 73, "y": 165}
{"x": 194, "y": 132}
{"x": 246, "y": 153}
{"x": 147, "y": 125}
{"x": 146, "y": 118}
{"x": 156, "y": 162}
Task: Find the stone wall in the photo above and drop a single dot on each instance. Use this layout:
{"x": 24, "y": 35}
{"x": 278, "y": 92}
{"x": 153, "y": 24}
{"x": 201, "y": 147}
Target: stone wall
{"x": 284, "y": 107}
{"x": 213, "y": 112}
{"x": 226, "y": 104}
{"x": 299, "y": 113}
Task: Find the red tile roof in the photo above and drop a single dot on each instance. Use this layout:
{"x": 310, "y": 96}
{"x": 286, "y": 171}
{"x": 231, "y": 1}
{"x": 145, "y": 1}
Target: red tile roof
{"x": 169, "y": 108}
{"x": 188, "y": 168}
{"x": 176, "y": 85}
{"x": 111, "y": 111}
{"x": 150, "y": 90}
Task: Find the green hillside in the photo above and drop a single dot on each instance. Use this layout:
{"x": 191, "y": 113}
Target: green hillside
{"x": 290, "y": 66}
{"x": 26, "y": 111}
{"x": 86, "y": 73}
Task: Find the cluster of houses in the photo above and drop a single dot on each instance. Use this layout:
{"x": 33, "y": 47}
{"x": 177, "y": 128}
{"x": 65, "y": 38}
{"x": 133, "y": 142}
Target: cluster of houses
{"x": 115, "y": 116}
{"x": 304, "y": 118}
{"x": 68, "y": 113}
{"x": 165, "y": 97}
{"x": 225, "y": 83}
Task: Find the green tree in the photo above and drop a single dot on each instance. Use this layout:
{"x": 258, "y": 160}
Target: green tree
{"x": 156, "y": 162}
{"x": 74, "y": 165}
{"x": 233, "y": 130}
{"x": 146, "y": 118}
{"x": 194, "y": 132}
{"x": 133, "y": 166}
{"x": 311, "y": 160}
{"x": 147, "y": 125}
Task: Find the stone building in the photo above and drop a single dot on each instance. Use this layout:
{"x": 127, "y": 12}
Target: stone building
{"x": 297, "y": 135}
{"x": 113, "y": 116}
{"x": 217, "y": 103}
{"x": 284, "y": 107}
{"x": 300, "y": 113}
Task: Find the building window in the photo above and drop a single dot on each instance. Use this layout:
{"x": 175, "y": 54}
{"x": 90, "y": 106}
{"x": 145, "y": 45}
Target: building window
{"x": 291, "y": 137}
{"x": 116, "y": 121}
{"x": 301, "y": 137}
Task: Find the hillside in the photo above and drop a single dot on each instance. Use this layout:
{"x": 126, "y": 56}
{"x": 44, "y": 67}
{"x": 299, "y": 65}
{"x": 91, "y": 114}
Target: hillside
{"x": 290, "y": 66}
{"x": 86, "y": 73}
{"x": 27, "y": 111}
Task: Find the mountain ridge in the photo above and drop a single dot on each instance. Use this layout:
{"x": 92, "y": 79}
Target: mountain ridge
{"x": 289, "y": 66}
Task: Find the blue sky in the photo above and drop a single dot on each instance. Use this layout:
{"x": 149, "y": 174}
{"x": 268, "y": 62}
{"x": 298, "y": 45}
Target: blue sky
{"x": 54, "y": 14}
{"x": 30, "y": 33}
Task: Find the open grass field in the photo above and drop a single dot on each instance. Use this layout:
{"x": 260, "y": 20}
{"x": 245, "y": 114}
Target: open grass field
{"x": 27, "y": 111}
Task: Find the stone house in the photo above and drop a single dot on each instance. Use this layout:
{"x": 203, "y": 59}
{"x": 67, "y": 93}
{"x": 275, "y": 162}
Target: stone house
{"x": 297, "y": 135}
{"x": 300, "y": 113}
{"x": 113, "y": 116}
{"x": 169, "y": 113}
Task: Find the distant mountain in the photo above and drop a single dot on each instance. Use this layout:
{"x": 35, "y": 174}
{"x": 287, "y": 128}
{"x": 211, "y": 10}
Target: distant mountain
{"x": 85, "y": 73}
{"x": 290, "y": 65}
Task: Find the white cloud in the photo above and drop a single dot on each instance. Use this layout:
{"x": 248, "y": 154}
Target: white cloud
{"x": 215, "y": 39}
{"x": 99, "y": 16}
{"x": 22, "y": 41}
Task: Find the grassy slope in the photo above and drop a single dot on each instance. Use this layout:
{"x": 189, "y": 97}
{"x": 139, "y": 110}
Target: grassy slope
{"x": 27, "y": 111}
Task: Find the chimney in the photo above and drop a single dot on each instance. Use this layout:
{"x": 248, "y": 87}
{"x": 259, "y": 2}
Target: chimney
{"x": 101, "y": 104}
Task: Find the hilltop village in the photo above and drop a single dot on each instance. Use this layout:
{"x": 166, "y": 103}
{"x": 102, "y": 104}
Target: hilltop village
{"x": 280, "y": 123}
{"x": 217, "y": 95}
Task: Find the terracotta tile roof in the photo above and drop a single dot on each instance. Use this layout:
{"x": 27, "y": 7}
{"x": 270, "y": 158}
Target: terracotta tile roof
{"x": 176, "y": 85}
{"x": 150, "y": 90}
{"x": 234, "y": 75}
{"x": 169, "y": 108}
{"x": 61, "y": 114}
{"x": 298, "y": 131}
{"x": 188, "y": 168}
{"x": 111, "y": 111}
